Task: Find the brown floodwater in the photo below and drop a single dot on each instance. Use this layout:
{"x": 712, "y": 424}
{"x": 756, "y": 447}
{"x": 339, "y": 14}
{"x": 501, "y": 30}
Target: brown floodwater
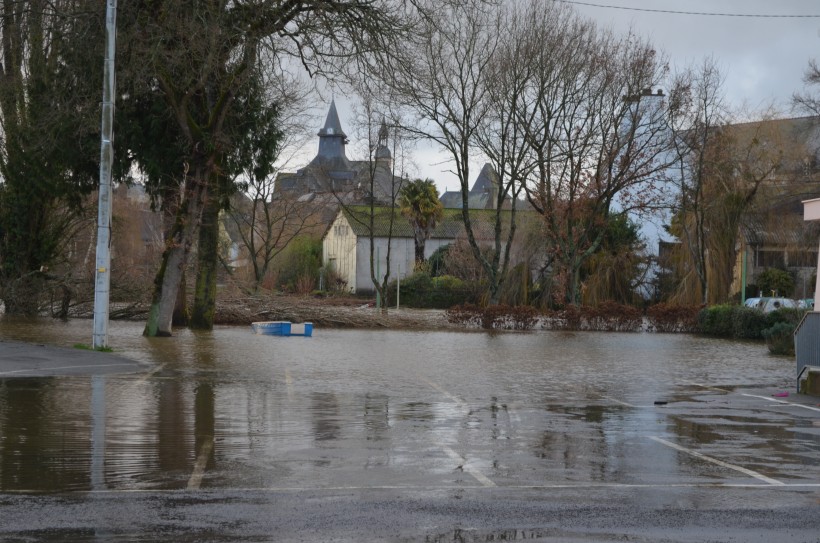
{"x": 359, "y": 408}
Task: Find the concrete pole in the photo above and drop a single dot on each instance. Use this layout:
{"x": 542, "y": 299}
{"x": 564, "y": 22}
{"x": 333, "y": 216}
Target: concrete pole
{"x": 811, "y": 212}
{"x": 102, "y": 281}
{"x": 817, "y": 285}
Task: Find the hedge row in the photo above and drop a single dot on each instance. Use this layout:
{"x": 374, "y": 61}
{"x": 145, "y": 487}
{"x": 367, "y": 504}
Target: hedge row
{"x": 725, "y": 321}
{"x": 739, "y": 322}
{"x": 494, "y": 316}
{"x": 422, "y": 291}
{"x": 608, "y": 316}
{"x": 734, "y": 321}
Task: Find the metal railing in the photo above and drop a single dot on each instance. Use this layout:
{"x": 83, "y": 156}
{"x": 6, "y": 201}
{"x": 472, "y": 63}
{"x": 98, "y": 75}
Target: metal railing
{"x": 807, "y": 344}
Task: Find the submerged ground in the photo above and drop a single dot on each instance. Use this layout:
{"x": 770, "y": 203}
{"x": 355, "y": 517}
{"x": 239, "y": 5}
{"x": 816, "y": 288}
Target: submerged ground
{"x": 392, "y": 435}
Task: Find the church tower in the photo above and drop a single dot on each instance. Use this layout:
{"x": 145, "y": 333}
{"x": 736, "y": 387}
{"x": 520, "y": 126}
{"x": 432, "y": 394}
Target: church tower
{"x": 332, "y": 141}
{"x": 382, "y": 154}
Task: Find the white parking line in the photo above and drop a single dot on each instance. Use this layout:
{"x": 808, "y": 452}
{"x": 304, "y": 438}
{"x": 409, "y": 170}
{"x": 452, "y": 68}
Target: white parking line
{"x": 440, "y": 389}
{"x": 150, "y": 374}
{"x": 201, "y": 462}
{"x": 555, "y": 486}
{"x": 619, "y": 402}
{"x": 701, "y": 385}
{"x": 288, "y": 383}
{"x": 696, "y": 454}
{"x": 775, "y": 400}
{"x": 51, "y": 369}
{"x": 480, "y": 477}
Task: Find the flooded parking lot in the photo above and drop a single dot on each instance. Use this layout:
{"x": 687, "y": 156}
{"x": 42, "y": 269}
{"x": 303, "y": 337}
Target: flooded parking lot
{"x": 468, "y": 421}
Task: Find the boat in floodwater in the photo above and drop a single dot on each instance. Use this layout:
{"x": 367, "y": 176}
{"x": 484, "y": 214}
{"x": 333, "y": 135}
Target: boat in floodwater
{"x": 283, "y": 328}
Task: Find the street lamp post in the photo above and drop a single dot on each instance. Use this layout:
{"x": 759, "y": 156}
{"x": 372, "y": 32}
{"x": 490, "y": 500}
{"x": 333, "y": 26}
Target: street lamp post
{"x": 102, "y": 280}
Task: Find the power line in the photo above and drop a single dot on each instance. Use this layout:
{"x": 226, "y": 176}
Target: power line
{"x": 706, "y": 13}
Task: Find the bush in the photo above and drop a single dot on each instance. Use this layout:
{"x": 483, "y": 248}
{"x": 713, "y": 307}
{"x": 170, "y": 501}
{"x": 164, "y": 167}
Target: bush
{"x": 717, "y": 320}
{"x": 786, "y": 314}
{"x": 509, "y": 317}
{"x": 500, "y": 316}
{"x": 780, "y": 338}
{"x": 299, "y": 265}
{"x": 673, "y": 318}
{"x": 421, "y": 290}
{"x": 438, "y": 261}
{"x": 748, "y": 323}
{"x": 773, "y": 280}
{"x": 467, "y": 314}
{"x": 606, "y": 317}
{"x": 612, "y": 317}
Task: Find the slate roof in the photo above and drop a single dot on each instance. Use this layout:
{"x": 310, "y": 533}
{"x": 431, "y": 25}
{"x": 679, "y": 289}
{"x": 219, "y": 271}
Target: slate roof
{"x": 331, "y": 171}
{"x": 451, "y": 226}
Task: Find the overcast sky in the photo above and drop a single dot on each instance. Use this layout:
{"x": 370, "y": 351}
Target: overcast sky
{"x": 763, "y": 58}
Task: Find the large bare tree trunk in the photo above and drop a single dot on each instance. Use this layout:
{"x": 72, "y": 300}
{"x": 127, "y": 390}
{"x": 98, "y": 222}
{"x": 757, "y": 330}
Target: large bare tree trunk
{"x": 204, "y": 309}
{"x": 175, "y": 258}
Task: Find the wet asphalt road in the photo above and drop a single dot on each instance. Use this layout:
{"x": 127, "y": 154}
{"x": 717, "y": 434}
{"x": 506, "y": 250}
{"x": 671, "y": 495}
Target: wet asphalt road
{"x": 568, "y": 439}
{"x": 576, "y": 514}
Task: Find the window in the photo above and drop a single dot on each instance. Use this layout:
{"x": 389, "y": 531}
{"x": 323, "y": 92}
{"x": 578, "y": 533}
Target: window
{"x": 802, "y": 259}
{"x": 767, "y": 258}
{"x": 340, "y": 230}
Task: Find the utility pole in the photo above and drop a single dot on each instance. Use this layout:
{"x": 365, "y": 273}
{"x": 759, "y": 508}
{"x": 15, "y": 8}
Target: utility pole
{"x": 102, "y": 281}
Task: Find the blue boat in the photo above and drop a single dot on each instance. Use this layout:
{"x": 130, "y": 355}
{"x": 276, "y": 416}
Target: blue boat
{"x": 283, "y": 328}
{"x": 301, "y": 329}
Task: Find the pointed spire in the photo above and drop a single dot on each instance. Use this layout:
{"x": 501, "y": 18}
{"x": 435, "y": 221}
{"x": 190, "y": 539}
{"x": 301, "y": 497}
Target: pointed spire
{"x": 332, "y": 125}
{"x": 383, "y": 134}
{"x": 332, "y": 140}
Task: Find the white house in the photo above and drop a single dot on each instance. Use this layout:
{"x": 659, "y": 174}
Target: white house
{"x": 346, "y": 243}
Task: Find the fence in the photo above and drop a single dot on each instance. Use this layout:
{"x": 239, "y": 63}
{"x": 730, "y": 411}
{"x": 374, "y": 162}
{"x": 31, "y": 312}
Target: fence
{"x": 807, "y": 344}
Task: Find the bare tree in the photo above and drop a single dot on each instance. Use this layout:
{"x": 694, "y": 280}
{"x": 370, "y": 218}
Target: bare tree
{"x": 198, "y": 58}
{"x": 720, "y": 168}
{"x": 596, "y": 135}
{"x": 267, "y": 221}
{"x": 808, "y": 101}
{"x": 441, "y": 78}
{"x": 697, "y": 124}
{"x": 267, "y": 224}
{"x": 385, "y": 150}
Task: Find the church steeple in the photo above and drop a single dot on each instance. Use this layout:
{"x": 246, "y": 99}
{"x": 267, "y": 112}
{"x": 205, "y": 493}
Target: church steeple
{"x": 332, "y": 138}
{"x": 382, "y": 154}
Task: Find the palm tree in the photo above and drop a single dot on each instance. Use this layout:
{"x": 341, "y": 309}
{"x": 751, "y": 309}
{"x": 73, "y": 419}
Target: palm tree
{"x": 418, "y": 201}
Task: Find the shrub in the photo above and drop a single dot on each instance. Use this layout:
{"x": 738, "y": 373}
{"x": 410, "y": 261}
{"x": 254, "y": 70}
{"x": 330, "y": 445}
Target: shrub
{"x": 495, "y": 316}
{"x": 414, "y": 290}
{"x": 421, "y": 290}
{"x": 716, "y": 320}
{"x": 773, "y": 280}
{"x": 605, "y": 317}
{"x": 509, "y": 317}
{"x": 673, "y": 318}
{"x": 748, "y": 323}
{"x": 786, "y": 314}
{"x": 780, "y": 338}
{"x": 300, "y": 263}
{"x": 332, "y": 282}
{"x": 438, "y": 261}
{"x": 568, "y": 318}
{"x": 612, "y": 317}
{"x": 467, "y": 314}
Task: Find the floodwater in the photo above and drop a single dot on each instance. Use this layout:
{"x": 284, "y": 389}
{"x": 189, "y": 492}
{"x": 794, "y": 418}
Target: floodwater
{"x": 396, "y": 409}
